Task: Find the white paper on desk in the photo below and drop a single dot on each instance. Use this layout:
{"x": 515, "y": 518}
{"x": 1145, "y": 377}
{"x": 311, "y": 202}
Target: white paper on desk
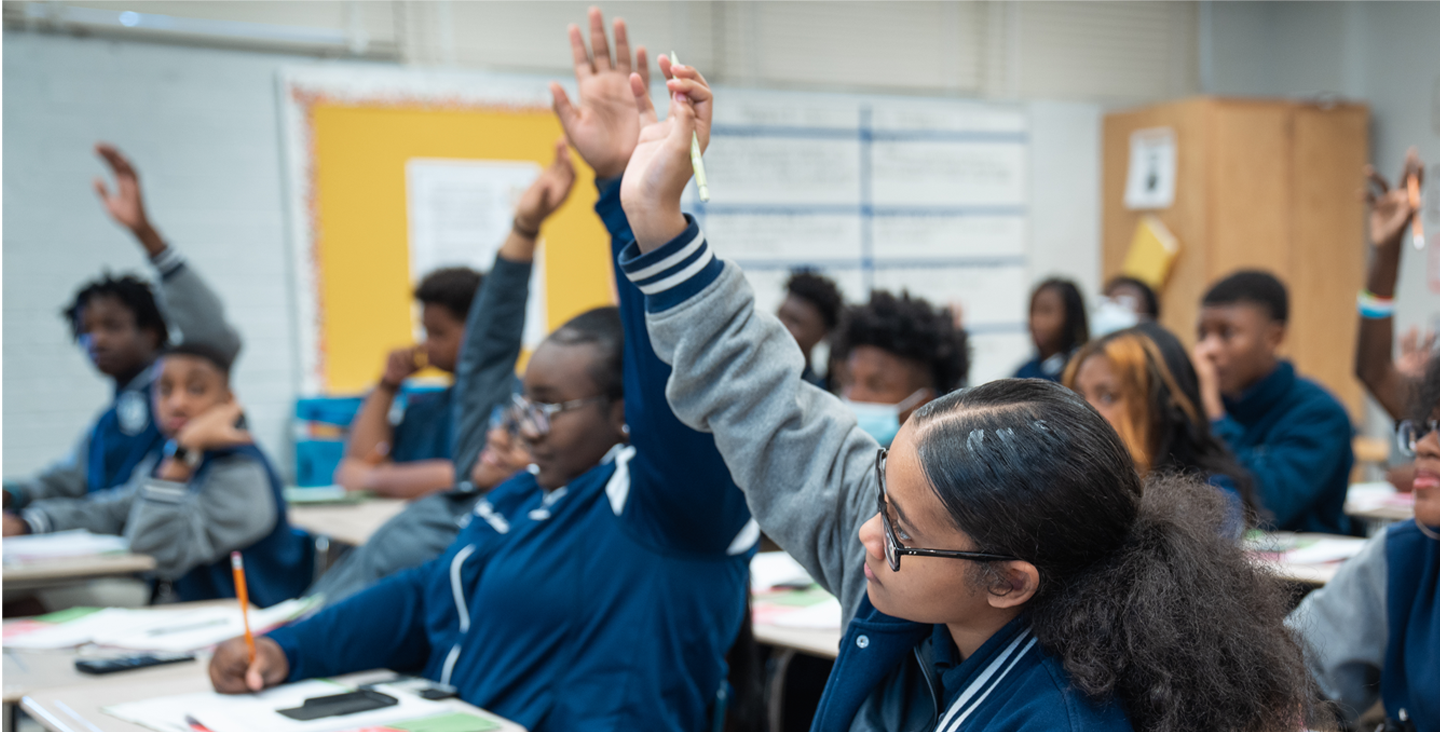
{"x": 1325, "y": 550}
{"x": 77, "y": 632}
{"x": 249, "y": 712}
{"x": 181, "y": 631}
{"x": 821, "y": 616}
{"x": 60, "y": 545}
{"x": 769, "y": 570}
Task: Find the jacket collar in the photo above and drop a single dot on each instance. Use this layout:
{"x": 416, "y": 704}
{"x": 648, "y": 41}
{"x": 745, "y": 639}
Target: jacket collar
{"x": 1260, "y": 398}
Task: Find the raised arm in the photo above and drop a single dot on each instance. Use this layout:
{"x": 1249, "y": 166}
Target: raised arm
{"x": 1390, "y": 215}
{"x": 187, "y": 301}
{"x": 806, "y": 468}
{"x": 681, "y": 496}
{"x": 485, "y": 376}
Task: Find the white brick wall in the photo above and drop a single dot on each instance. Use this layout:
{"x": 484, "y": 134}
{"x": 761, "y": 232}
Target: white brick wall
{"x": 201, "y": 126}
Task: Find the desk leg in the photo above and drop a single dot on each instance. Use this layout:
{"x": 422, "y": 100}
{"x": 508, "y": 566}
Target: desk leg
{"x": 775, "y": 703}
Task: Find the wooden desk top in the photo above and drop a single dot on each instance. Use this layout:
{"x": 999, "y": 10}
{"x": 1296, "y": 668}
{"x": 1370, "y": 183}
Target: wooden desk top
{"x": 350, "y": 523}
{"x": 820, "y": 642}
{"x": 32, "y": 575}
{"x": 77, "y": 707}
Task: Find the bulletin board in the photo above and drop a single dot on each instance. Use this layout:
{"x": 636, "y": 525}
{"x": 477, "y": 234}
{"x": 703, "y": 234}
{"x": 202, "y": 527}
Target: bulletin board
{"x": 349, "y": 138}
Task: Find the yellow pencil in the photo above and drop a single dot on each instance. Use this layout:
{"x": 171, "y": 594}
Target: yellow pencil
{"x": 696, "y": 161}
{"x": 237, "y": 569}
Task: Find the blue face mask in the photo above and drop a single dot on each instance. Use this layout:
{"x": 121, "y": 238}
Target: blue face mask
{"x": 882, "y": 421}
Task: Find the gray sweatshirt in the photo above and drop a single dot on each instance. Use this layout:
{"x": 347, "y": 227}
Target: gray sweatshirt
{"x": 189, "y": 306}
{"x": 181, "y": 525}
{"x": 1344, "y": 628}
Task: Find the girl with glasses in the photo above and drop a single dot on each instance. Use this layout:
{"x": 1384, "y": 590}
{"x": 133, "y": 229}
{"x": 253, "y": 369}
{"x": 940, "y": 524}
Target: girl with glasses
{"x": 1010, "y": 572}
{"x": 1373, "y": 632}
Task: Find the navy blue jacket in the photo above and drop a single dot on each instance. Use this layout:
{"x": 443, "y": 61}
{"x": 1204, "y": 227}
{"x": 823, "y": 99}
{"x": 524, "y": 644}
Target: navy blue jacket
{"x": 123, "y": 435}
{"x": 277, "y": 568}
{"x": 1294, "y": 438}
{"x": 427, "y": 429}
{"x": 606, "y": 604}
{"x": 1411, "y": 676}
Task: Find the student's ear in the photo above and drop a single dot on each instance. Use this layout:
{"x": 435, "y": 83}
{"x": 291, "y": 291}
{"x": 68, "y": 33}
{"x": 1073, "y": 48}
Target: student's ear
{"x": 1015, "y": 583}
{"x": 617, "y": 418}
{"x": 1274, "y": 334}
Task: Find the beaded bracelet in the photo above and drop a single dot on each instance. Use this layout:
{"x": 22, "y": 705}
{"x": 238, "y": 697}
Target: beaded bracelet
{"x": 1374, "y": 307}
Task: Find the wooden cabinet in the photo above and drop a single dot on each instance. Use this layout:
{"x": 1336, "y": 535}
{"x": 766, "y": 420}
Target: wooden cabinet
{"x": 1259, "y": 184}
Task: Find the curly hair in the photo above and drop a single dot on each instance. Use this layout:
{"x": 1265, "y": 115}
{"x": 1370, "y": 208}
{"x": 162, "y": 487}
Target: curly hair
{"x": 909, "y": 327}
{"x": 453, "y": 288}
{"x": 1254, "y": 287}
{"x": 132, "y": 292}
{"x": 820, "y": 291}
{"x": 1141, "y": 597}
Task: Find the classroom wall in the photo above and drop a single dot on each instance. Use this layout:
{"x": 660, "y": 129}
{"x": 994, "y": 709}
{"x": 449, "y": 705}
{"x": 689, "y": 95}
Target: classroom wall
{"x": 1385, "y": 54}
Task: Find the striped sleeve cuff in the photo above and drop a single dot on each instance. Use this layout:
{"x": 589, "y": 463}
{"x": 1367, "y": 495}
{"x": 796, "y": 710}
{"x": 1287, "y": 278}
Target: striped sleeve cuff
{"x": 36, "y": 519}
{"x": 673, "y": 273}
{"x": 163, "y": 491}
{"x": 167, "y": 262}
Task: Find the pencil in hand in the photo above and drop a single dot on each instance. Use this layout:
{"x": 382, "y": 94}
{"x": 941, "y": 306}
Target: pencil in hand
{"x": 237, "y": 568}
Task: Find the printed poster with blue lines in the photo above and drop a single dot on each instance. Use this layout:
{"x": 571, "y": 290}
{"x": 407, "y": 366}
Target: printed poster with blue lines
{"x": 922, "y": 195}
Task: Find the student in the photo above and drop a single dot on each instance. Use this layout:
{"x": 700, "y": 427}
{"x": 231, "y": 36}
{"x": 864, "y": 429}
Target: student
{"x": 484, "y": 383}
{"x": 1390, "y": 217}
{"x": 1126, "y": 302}
{"x": 1287, "y": 431}
{"x": 211, "y": 491}
{"x": 899, "y": 353}
{"x": 600, "y": 591}
{"x": 1051, "y": 592}
{"x": 1057, "y": 327}
{"x": 811, "y": 310}
{"x": 1141, "y": 381}
{"x": 413, "y": 458}
{"x": 124, "y": 327}
{"x": 1373, "y": 632}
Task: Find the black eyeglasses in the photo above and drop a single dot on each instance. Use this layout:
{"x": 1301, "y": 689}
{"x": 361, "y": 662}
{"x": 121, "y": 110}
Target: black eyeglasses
{"x": 1409, "y": 433}
{"x": 894, "y": 549}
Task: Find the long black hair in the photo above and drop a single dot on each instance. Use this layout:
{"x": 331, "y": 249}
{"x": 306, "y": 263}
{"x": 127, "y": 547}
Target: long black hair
{"x": 1140, "y": 597}
{"x": 1076, "y": 330}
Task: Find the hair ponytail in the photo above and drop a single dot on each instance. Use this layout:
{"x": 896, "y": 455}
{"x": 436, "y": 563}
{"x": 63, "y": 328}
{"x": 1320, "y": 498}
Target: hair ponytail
{"x": 1142, "y": 597}
{"x": 1180, "y": 625}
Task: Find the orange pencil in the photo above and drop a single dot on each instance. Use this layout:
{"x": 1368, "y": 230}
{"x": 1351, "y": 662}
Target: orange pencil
{"x": 1416, "y": 229}
{"x": 237, "y": 566}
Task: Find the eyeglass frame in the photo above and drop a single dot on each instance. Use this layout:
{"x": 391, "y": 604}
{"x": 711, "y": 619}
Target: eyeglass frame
{"x": 525, "y": 411}
{"x": 1421, "y": 429}
{"x": 894, "y": 549}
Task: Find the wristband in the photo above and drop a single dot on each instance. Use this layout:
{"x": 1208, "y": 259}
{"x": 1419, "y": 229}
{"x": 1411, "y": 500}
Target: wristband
{"x": 522, "y": 231}
{"x": 1374, "y": 307}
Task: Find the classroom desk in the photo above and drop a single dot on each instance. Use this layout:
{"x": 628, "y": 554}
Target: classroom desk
{"x": 76, "y": 708}
{"x": 349, "y": 523}
{"x": 72, "y": 570}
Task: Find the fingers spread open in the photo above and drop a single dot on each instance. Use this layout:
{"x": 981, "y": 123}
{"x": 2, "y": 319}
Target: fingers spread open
{"x": 599, "y": 46}
{"x": 642, "y": 65}
{"x": 622, "y": 47}
{"x": 665, "y": 63}
{"x": 583, "y": 67}
{"x": 642, "y": 100}
{"x": 563, "y": 108}
{"x": 1376, "y": 180}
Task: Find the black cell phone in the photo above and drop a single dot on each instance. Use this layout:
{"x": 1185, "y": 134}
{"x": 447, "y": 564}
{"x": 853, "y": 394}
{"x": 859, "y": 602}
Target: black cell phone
{"x": 99, "y": 666}
{"x": 337, "y": 705}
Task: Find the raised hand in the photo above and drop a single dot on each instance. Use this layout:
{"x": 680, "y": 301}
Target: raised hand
{"x": 660, "y": 165}
{"x": 604, "y": 126}
{"x": 1415, "y": 352}
{"x": 126, "y": 206}
{"x": 547, "y": 192}
{"x": 1390, "y": 209}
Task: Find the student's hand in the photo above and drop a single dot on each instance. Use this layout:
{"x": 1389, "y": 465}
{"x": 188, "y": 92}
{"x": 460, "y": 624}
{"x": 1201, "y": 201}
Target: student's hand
{"x": 214, "y": 428}
{"x": 660, "y": 166}
{"x": 1415, "y": 353}
{"x": 604, "y": 127}
{"x": 1210, "y": 399}
{"x": 232, "y": 673}
{"x": 1390, "y": 209}
{"x": 548, "y": 191}
{"x": 401, "y": 364}
{"x": 126, "y": 206}
{"x": 15, "y": 526}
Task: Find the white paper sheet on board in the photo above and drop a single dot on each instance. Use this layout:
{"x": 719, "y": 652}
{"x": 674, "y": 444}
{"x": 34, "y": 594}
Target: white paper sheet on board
{"x": 460, "y": 212}
{"x": 1150, "y": 183}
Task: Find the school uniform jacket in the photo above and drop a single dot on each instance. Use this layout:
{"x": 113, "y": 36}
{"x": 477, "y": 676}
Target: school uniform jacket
{"x": 1373, "y": 632}
{"x": 110, "y": 449}
{"x": 233, "y": 501}
{"x": 808, "y": 473}
{"x": 607, "y": 604}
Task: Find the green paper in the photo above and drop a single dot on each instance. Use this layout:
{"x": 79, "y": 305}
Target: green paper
{"x": 65, "y": 616}
{"x": 797, "y": 598}
{"x": 453, "y": 722}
